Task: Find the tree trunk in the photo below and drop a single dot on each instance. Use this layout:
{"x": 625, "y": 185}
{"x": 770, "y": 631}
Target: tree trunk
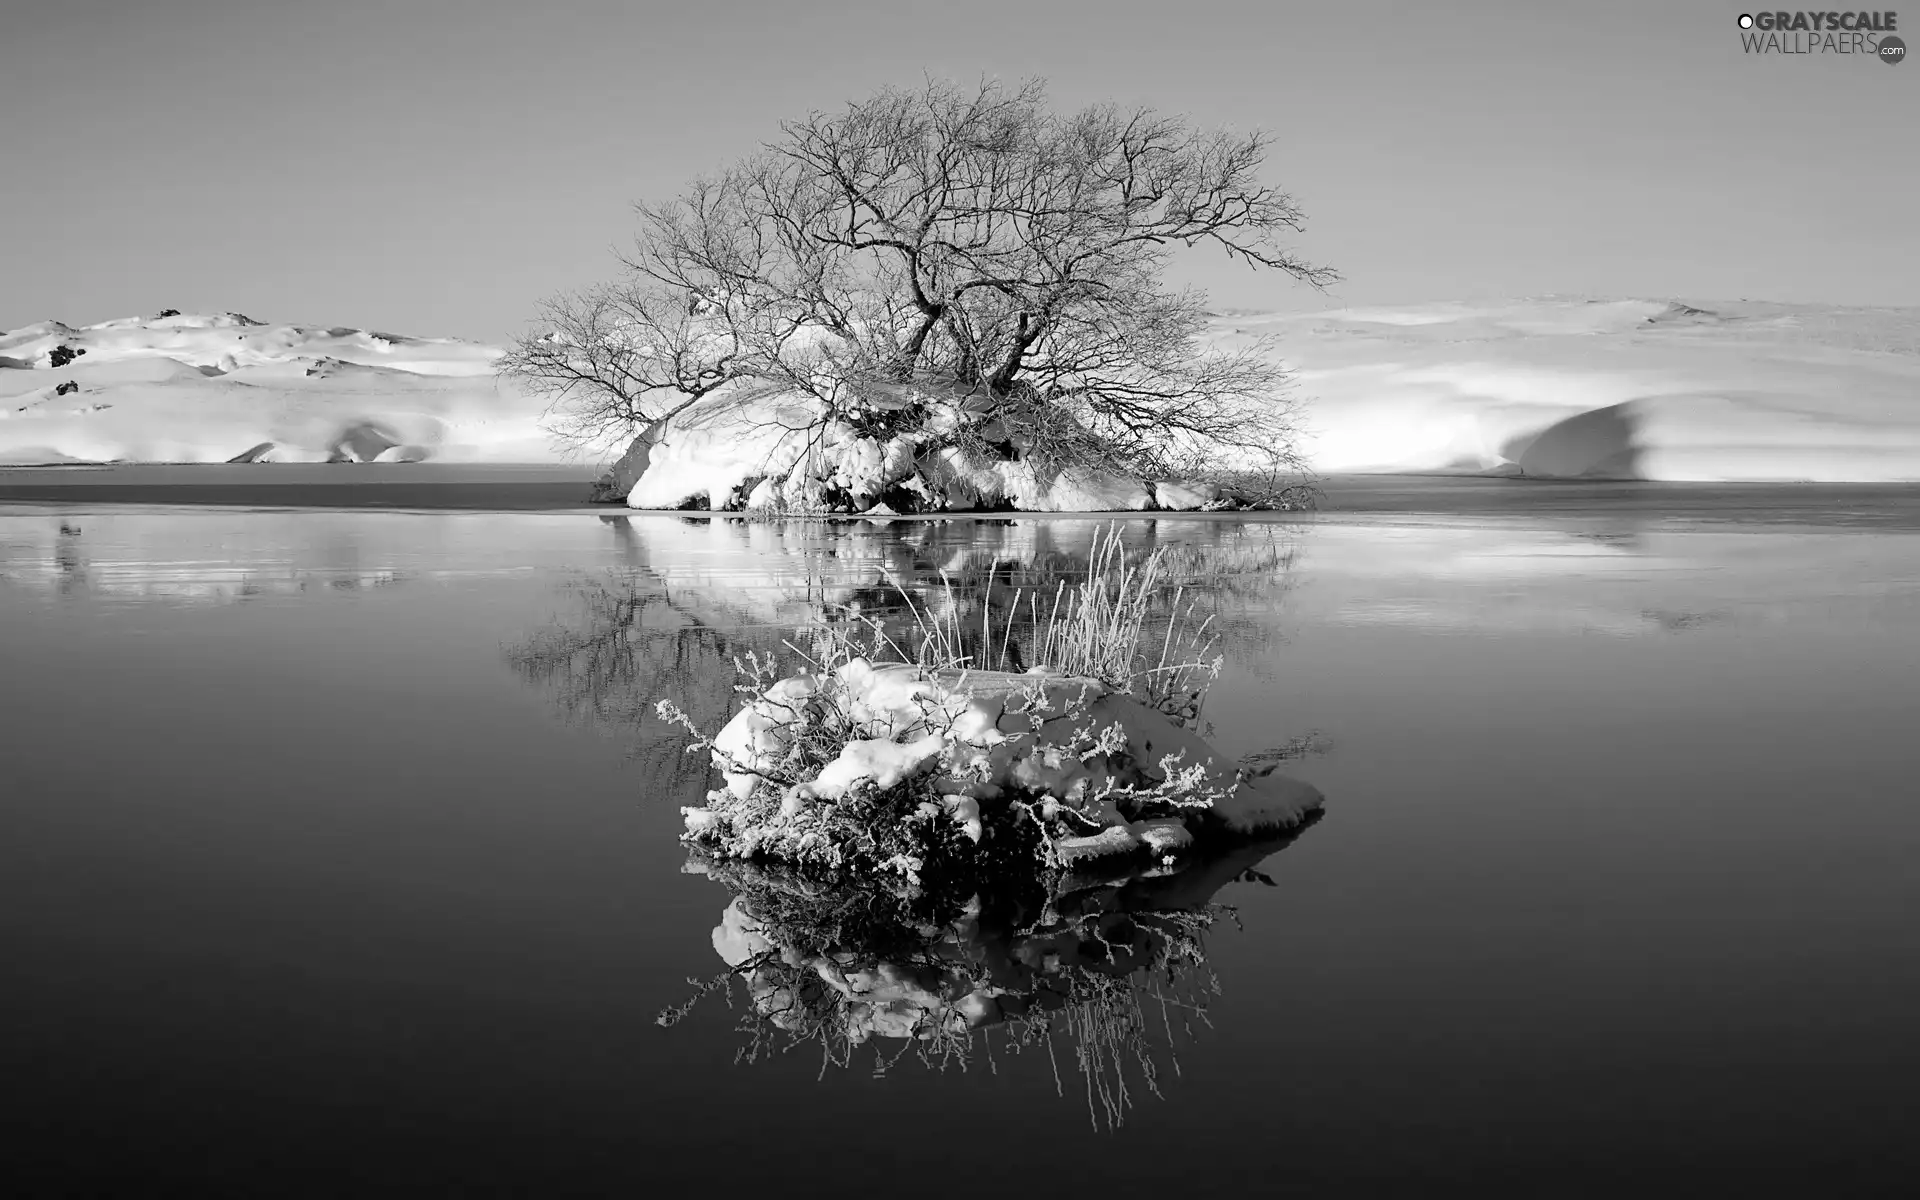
{"x": 910, "y": 356}
{"x": 1030, "y": 329}
{"x": 613, "y": 487}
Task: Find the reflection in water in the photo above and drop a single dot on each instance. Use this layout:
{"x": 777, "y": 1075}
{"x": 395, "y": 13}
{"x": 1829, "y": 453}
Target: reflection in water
{"x": 696, "y": 594}
{"x": 64, "y": 565}
{"x": 71, "y": 576}
{"x": 630, "y": 641}
{"x": 1631, "y": 575}
{"x": 1106, "y": 977}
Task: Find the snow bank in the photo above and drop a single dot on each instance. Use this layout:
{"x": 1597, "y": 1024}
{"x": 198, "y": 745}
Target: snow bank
{"x": 213, "y": 388}
{"x": 1626, "y": 389}
{"x": 1638, "y": 389}
{"x": 1607, "y": 389}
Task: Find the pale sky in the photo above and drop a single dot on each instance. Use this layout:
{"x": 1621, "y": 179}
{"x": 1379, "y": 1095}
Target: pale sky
{"x": 436, "y": 166}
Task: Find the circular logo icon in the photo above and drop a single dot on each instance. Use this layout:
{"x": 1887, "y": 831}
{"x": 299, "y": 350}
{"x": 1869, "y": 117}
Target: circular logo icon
{"x": 1892, "y": 50}
{"x": 1746, "y": 20}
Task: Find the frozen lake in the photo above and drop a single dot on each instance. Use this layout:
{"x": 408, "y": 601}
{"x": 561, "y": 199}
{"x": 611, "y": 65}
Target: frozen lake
{"x": 339, "y": 854}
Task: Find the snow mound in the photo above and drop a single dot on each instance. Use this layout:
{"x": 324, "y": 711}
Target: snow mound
{"x": 1620, "y": 389}
{"x": 1105, "y": 774}
{"x": 1550, "y": 388}
{"x": 224, "y": 387}
{"x": 763, "y": 449}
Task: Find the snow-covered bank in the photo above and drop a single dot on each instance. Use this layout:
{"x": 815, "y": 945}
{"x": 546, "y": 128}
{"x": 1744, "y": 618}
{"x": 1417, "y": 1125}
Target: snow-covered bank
{"x": 1627, "y": 389}
{"x": 1646, "y": 389}
{"x": 750, "y": 448}
{"x": 212, "y": 389}
{"x": 1635, "y": 389}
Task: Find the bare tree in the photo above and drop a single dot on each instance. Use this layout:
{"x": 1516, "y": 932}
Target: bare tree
{"x": 618, "y": 359}
{"x": 963, "y": 237}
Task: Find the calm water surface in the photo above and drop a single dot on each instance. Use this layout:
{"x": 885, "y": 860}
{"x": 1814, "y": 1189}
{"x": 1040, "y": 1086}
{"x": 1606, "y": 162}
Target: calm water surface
{"x": 339, "y": 855}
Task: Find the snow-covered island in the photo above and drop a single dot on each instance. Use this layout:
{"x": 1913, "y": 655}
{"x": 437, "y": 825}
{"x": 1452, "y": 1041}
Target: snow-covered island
{"x": 955, "y": 766}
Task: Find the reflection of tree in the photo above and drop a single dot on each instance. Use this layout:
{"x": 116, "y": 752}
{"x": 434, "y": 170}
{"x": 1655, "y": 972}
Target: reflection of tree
{"x": 1231, "y": 578}
{"x": 1105, "y": 977}
{"x": 652, "y": 629}
{"x": 628, "y": 644}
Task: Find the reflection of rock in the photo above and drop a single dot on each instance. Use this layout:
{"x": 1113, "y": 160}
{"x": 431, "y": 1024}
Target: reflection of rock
{"x": 70, "y": 561}
{"x": 165, "y": 559}
{"x": 950, "y": 971}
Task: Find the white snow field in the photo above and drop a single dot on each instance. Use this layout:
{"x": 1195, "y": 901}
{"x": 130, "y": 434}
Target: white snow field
{"x": 1623, "y": 389}
{"x": 1555, "y": 388}
{"x": 199, "y": 389}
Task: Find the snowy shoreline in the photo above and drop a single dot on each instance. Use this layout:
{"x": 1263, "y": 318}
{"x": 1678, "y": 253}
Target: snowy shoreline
{"x": 1548, "y": 387}
{"x": 549, "y": 488}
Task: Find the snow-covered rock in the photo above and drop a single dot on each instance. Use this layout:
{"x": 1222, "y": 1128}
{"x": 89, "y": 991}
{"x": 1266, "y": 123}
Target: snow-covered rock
{"x": 1128, "y": 773}
{"x": 1266, "y": 802}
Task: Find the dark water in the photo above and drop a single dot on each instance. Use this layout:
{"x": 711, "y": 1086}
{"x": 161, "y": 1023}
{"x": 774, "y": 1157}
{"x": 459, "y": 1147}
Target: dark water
{"x": 339, "y": 856}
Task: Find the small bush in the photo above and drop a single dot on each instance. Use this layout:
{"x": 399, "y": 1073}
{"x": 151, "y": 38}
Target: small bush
{"x": 961, "y": 796}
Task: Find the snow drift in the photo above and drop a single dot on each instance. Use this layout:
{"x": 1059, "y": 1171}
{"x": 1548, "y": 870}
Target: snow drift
{"x": 219, "y": 388}
{"x": 1625, "y": 389}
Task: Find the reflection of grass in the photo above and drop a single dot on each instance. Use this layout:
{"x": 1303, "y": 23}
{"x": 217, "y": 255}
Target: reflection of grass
{"x": 1094, "y": 628}
{"x": 628, "y": 638}
{"x": 1105, "y": 977}
{"x": 1093, "y": 612}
